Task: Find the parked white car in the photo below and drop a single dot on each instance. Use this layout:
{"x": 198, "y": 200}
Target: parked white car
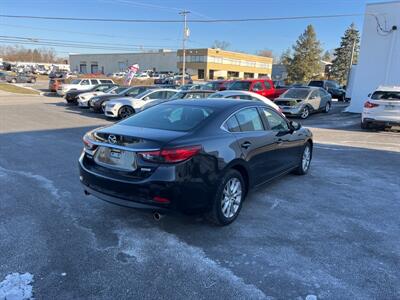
{"x": 81, "y": 84}
{"x": 382, "y": 108}
{"x": 143, "y": 76}
{"x": 84, "y": 98}
{"x": 244, "y": 95}
{"x": 124, "y": 107}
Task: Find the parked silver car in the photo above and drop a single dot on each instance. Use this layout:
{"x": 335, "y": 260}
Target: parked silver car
{"x": 302, "y": 101}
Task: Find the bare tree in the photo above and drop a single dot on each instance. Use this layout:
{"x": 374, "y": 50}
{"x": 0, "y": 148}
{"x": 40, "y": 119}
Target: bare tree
{"x": 18, "y": 53}
{"x": 220, "y": 45}
{"x": 265, "y": 52}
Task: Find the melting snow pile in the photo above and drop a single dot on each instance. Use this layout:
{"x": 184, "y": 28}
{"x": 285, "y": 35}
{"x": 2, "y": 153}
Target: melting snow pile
{"x": 16, "y": 287}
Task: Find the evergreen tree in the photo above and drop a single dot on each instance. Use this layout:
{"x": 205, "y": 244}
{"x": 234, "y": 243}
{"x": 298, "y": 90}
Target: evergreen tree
{"x": 342, "y": 60}
{"x": 327, "y": 56}
{"x": 304, "y": 65}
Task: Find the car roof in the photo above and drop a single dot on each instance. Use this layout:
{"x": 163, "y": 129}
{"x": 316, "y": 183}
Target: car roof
{"x": 220, "y": 103}
{"x": 388, "y": 88}
{"x": 197, "y": 91}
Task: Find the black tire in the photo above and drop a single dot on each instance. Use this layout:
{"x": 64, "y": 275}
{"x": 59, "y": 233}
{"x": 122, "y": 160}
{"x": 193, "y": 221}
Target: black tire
{"x": 216, "y": 214}
{"x": 302, "y": 169}
{"x": 305, "y": 113}
{"x": 365, "y": 125}
{"x": 327, "y": 107}
{"x": 125, "y": 112}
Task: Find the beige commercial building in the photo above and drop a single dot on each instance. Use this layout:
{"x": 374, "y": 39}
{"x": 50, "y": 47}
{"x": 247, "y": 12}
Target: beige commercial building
{"x": 216, "y": 63}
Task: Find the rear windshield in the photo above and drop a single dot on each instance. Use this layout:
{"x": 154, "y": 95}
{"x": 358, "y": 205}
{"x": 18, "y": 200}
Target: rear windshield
{"x": 240, "y": 85}
{"x": 170, "y": 117}
{"x": 383, "y": 95}
{"x": 296, "y": 93}
{"x": 317, "y": 83}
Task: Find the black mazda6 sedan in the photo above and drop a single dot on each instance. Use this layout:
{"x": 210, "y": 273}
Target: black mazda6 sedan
{"x": 193, "y": 156}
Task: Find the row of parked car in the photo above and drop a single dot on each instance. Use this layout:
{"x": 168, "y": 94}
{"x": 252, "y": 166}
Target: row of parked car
{"x": 104, "y": 96}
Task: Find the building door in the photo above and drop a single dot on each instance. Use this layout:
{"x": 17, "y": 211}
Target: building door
{"x": 82, "y": 68}
{"x": 94, "y": 68}
{"x": 200, "y": 73}
{"x": 211, "y": 74}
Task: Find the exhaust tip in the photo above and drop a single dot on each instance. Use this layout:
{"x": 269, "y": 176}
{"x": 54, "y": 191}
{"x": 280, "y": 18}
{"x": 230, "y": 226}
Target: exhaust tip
{"x": 157, "y": 216}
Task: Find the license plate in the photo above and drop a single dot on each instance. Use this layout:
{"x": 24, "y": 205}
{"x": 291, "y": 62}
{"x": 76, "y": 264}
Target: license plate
{"x": 115, "y": 154}
{"x": 116, "y": 159}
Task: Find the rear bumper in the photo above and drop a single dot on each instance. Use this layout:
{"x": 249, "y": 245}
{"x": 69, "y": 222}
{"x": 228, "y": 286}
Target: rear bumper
{"x": 184, "y": 195}
{"x": 381, "y": 122}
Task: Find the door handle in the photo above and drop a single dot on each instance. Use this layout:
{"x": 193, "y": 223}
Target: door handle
{"x": 246, "y": 145}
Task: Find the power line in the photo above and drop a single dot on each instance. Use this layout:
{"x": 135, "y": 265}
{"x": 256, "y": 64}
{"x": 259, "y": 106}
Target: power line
{"x": 93, "y": 33}
{"x": 90, "y": 43}
{"x": 181, "y": 21}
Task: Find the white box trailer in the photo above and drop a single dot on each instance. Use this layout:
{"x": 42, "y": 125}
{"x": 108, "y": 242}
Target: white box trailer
{"x": 379, "y": 60}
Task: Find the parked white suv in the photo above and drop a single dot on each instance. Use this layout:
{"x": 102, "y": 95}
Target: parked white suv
{"x": 382, "y": 108}
{"x": 124, "y": 107}
{"x": 81, "y": 84}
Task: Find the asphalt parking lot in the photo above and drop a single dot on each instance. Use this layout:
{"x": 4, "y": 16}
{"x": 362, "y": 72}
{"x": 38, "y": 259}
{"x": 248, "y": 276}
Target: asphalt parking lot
{"x": 332, "y": 234}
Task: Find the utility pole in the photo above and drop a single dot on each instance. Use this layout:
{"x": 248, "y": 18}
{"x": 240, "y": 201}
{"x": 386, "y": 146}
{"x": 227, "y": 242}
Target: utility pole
{"x": 185, "y": 36}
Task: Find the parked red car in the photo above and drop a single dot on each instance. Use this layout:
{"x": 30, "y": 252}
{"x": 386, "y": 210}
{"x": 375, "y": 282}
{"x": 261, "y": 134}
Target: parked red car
{"x": 264, "y": 87}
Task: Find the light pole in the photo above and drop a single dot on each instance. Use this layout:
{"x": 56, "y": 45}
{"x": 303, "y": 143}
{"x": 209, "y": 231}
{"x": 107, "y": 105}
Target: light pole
{"x": 185, "y": 36}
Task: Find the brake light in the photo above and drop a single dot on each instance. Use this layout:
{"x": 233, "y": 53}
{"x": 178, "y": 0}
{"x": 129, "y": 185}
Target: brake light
{"x": 368, "y": 104}
{"x": 170, "y": 155}
{"x": 160, "y": 199}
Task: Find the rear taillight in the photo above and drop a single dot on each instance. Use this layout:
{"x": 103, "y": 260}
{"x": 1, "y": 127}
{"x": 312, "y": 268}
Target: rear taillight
{"x": 170, "y": 155}
{"x": 368, "y": 104}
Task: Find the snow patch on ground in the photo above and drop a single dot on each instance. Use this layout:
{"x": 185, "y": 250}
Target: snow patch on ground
{"x": 16, "y": 287}
{"x": 141, "y": 246}
{"x": 42, "y": 181}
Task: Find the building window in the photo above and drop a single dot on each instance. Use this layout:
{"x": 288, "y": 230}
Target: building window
{"x": 200, "y": 73}
{"x": 122, "y": 65}
{"x": 232, "y": 74}
{"x": 211, "y": 74}
{"x": 248, "y": 75}
{"x": 94, "y": 68}
{"x": 83, "y": 68}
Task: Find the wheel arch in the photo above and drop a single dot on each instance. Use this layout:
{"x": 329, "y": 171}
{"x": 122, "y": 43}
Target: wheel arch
{"x": 243, "y": 170}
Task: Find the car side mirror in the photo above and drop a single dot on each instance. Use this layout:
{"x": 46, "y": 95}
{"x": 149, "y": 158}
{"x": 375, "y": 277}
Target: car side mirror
{"x": 369, "y": 95}
{"x": 146, "y": 98}
{"x": 294, "y": 126}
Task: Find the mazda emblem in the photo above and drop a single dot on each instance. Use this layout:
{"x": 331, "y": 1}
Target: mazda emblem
{"x": 112, "y": 139}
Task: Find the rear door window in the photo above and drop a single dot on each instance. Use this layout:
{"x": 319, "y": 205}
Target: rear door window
{"x": 106, "y": 81}
{"x": 249, "y": 119}
{"x": 232, "y": 124}
{"x": 267, "y": 85}
{"x": 93, "y": 81}
{"x": 258, "y": 86}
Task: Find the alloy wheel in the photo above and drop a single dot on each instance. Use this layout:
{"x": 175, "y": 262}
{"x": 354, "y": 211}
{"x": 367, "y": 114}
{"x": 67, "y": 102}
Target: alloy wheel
{"x": 327, "y": 107}
{"x": 125, "y": 112}
{"x": 231, "y": 197}
{"x": 306, "y": 159}
{"x": 305, "y": 113}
